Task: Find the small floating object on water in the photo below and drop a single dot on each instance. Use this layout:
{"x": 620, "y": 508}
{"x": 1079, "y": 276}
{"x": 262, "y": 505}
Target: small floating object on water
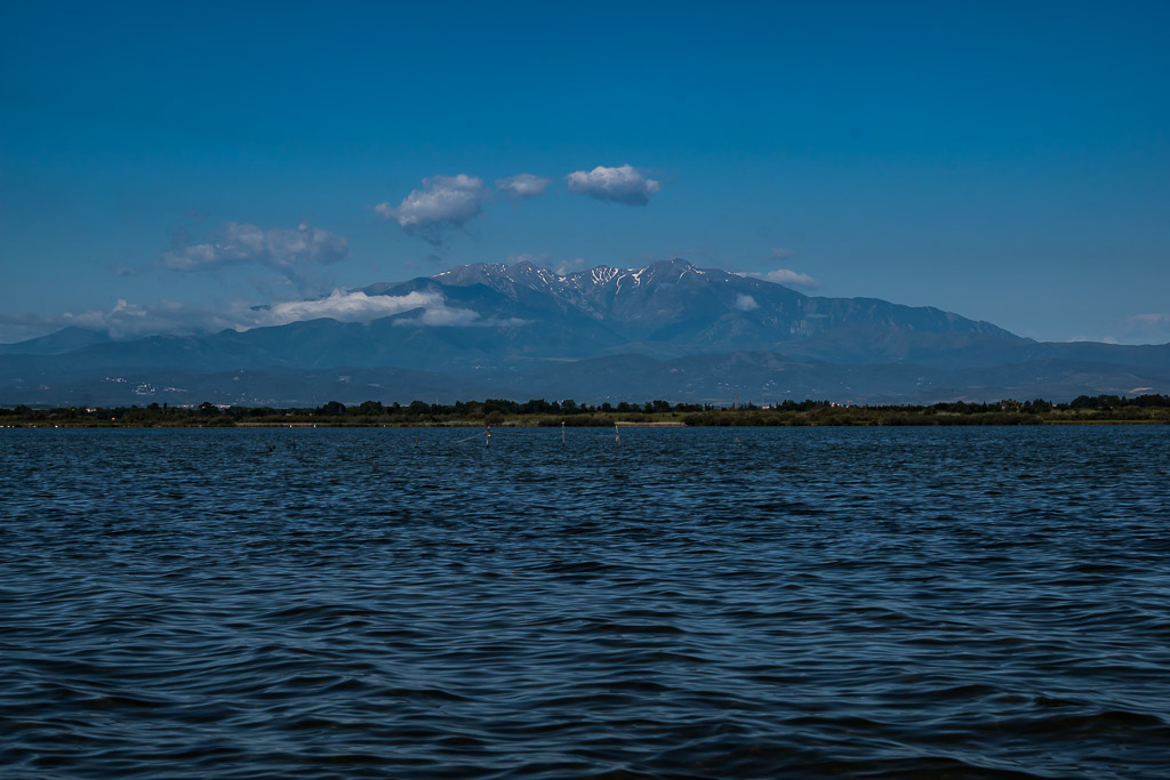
{"x": 487, "y": 442}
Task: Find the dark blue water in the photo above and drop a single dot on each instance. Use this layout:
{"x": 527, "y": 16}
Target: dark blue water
{"x": 696, "y": 603}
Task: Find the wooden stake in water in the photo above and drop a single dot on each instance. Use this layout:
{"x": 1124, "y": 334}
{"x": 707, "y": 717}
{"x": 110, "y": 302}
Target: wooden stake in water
{"x": 487, "y": 441}
{"x": 562, "y": 432}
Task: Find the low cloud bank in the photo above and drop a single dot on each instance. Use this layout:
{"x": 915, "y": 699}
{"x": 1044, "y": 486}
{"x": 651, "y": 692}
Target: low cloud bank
{"x": 349, "y": 307}
{"x": 130, "y": 320}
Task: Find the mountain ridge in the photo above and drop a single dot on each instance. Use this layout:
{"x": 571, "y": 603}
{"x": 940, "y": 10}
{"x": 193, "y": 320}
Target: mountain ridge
{"x": 523, "y": 326}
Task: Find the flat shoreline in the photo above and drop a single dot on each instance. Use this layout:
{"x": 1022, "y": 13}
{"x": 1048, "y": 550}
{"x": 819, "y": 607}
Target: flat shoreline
{"x": 618, "y": 424}
{"x": 502, "y": 413}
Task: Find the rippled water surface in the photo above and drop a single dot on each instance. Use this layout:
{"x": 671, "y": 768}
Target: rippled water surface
{"x": 694, "y": 603}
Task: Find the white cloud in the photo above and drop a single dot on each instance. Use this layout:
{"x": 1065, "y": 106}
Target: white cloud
{"x": 441, "y": 317}
{"x": 130, "y": 320}
{"x": 784, "y": 276}
{"x": 444, "y": 203}
{"x": 560, "y": 266}
{"x": 623, "y": 184}
{"x": 282, "y": 250}
{"x": 123, "y": 320}
{"x": 523, "y": 185}
{"x": 1150, "y": 319}
{"x": 1149, "y": 328}
{"x": 790, "y": 278}
{"x": 534, "y": 259}
{"x": 353, "y": 306}
{"x": 357, "y": 306}
{"x": 746, "y": 303}
{"x": 566, "y": 267}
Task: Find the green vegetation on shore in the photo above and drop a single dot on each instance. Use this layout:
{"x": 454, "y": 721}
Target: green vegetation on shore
{"x": 1084, "y": 410}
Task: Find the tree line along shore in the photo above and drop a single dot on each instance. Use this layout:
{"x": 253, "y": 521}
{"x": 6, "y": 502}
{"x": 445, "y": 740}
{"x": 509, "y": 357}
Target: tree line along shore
{"x": 1101, "y": 409}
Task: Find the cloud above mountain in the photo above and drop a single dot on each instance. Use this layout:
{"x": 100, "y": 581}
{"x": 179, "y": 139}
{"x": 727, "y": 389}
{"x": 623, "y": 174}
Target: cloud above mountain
{"x": 569, "y": 265}
{"x": 523, "y": 185}
{"x": 1148, "y": 328}
{"x": 789, "y": 278}
{"x": 285, "y": 251}
{"x": 623, "y": 184}
{"x": 443, "y": 204}
{"x": 784, "y": 276}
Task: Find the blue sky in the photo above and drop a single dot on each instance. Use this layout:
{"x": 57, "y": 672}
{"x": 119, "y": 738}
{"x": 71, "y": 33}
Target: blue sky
{"x": 1010, "y": 162}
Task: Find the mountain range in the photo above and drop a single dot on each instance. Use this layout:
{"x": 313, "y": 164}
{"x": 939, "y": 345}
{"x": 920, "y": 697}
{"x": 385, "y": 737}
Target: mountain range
{"x": 669, "y": 330}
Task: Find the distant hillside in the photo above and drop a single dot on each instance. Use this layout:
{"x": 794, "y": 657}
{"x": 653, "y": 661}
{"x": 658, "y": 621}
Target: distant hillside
{"x": 64, "y": 340}
{"x": 668, "y": 330}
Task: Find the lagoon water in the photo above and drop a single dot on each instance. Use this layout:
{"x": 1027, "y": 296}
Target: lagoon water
{"x": 707, "y": 603}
